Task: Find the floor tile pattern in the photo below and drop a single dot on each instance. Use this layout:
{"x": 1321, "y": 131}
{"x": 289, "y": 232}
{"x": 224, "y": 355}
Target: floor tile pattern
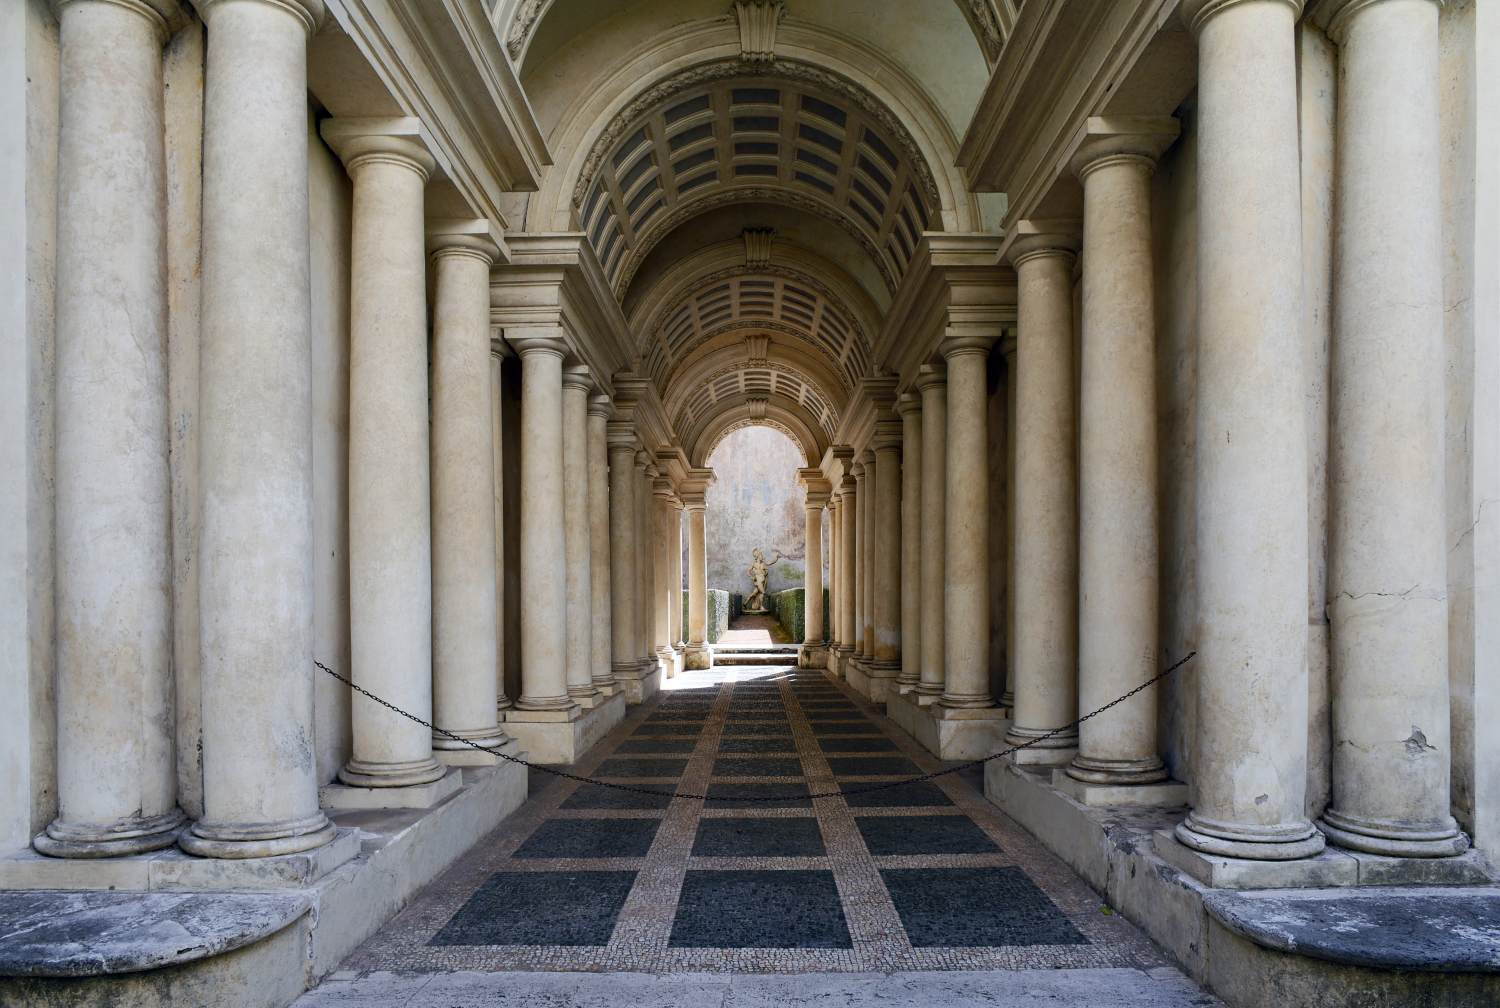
{"x": 923, "y": 876}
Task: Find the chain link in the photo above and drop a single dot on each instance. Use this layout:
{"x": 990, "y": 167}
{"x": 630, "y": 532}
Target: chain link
{"x": 634, "y": 789}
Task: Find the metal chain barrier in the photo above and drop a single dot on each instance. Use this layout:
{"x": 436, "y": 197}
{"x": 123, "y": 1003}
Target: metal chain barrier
{"x": 764, "y": 798}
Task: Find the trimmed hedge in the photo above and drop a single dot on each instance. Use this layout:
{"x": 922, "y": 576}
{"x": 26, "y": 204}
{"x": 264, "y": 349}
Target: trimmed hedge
{"x": 791, "y": 612}
{"x": 717, "y": 601}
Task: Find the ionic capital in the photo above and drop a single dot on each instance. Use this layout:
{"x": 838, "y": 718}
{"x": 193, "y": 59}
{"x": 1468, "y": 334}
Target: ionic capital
{"x": 1196, "y": 13}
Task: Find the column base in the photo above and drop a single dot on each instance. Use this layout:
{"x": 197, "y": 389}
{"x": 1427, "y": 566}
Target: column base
{"x": 560, "y": 737}
{"x": 606, "y": 687}
{"x": 811, "y": 656}
{"x": 585, "y": 696}
{"x": 840, "y": 659}
{"x": 467, "y": 757}
{"x": 1056, "y": 751}
{"x": 350, "y": 798}
{"x": 490, "y": 738}
{"x": 1167, "y": 793}
{"x": 1116, "y": 773}
{"x": 1236, "y": 840}
{"x": 257, "y": 840}
{"x": 698, "y": 656}
{"x": 905, "y": 685}
{"x": 638, "y": 681}
{"x": 1389, "y": 839}
{"x": 133, "y": 836}
{"x": 412, "y": 773}
{"x": 946, "y": 733}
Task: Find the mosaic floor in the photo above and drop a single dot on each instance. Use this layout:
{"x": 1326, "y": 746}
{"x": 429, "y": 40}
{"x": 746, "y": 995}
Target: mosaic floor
{"x": 920, "y": 877}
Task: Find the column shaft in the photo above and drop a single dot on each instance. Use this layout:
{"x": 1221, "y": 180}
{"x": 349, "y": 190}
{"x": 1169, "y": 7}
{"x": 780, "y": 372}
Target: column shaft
{"x": 886, "y": 551}
{"x": 645, "y": 561}
{"x": 910, "y": 408}
{"x": 544, "y": 588}
{"x": 868, "y": 515}
{"x": 622, "y": 547}
{"x": 116, "y": 779}
{"x": 1008, "y": 699}
{"x": 661, "y": 610}
{"x": 849, "y": 506}
{"x": 812, "y": 595}
{"x": 1045, "y": 562}
{"x": 966, "y": 592}
{"x": 1118, "y": 514}
{"x": 932, "y": 386}
{"x": 697, "y": 584}
{"x": 600, "y": 570}
{"x": 675, "y": 596}
{"x": 260, "y": 787}
{"x": 1388, "y": 558}
{"x": 1250, "y": 774}
{"x": 390, "y": 517}
{"x": 464, "y": 628}
{"x": 835, "y": 593}
{"x": 497, "y": 442}
{"x": 577, "y": 386}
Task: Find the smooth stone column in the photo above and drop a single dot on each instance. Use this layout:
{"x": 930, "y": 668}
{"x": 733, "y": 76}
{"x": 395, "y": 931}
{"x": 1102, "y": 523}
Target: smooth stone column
{"x": 861, "y": 540}
{"x": 625, "y": 659}
{"x": 835, "y": 538}
{"x": 255, "y": 595}
{"x": 1388, "y": 553}
{"x": 1045, "y": 562}
{"x": 498, "y": 353}
{"x": 1008, "y": 698}
{"x": 932, "y": 387}
{"x": 966, "y": 579}
{"x": 1118, "y": 513}
{"x": 886, "y": 555}
{"x": 464, "y": 628}
{"x": 909, "y": 407}
{"x": 816, "y": 499}
{"x": 698, "y": 655}
{"x": 867, "y": 515}
{"x": 1250, "y": 772}
{"x": 674, "y": 593}
{"x": 600, "y": 410}
{"x": 544, "y": 587}
{"x": 116, "y": 779}
{"x": 664, "y": 502}
{"x": 848, "y": 515}
{"x": 645, "y": 510}
{"x": 390, "y": 517}
{"x": 577, "y": 386}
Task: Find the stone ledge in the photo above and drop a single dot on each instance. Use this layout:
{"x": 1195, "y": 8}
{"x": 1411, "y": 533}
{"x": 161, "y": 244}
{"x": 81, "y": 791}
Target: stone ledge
{"x": 1437, "y": 929}
{"x": 82, "y": 934}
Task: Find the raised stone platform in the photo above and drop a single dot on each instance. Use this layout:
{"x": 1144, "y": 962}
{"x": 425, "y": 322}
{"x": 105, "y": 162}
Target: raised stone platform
{"x": 1247, "y": 946}
{"x": 564, "y": 736}
{"x": 949, "y": 734}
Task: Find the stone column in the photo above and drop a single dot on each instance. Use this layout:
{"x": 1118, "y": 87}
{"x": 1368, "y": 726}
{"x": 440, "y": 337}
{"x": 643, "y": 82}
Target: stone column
{"x": 498, "y": 352}
{"x": 1388, "y": 558}
{"x": 848, "y": 517}
{"x": 464, "y": 612}
{"x": 1008, "y": 698}
{"x": 260, "y": 787}
{"x": 675, "y": 597}
{"x": 624, "y": 622}
{"x": 390, "y": 518}
{"x": 1045, "y": 562}
{"x": 1250, "y": 773}
{"x": 544, "y": 587}
{"x": 909, "y": 406}
{"x": 811, "y": 654}
{"x": 665, "y": 501}
{"x": 116, "y": 779}
{"x": 966, "y": 531}
{"x": 932, "y": 386}
{"x": 645, "y": 510}
{"x": 867, "y": 517}
{"x": 835, "y": 552}
{"x": 886, "y": 558}
{"x": 861, "y": 571}
{"x": 698, "y": 655}
{"x": 600, "y": 409}
{"x": 1118, "y": 513}
{"x": 577, "y": 386}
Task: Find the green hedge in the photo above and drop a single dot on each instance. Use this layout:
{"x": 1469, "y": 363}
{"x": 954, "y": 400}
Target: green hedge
{"x": 788, "y": 606}
{"x": 718, "y": 612}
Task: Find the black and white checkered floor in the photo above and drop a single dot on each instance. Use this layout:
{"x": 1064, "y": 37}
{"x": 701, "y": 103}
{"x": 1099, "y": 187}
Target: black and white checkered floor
{"x": 925, "y": 876}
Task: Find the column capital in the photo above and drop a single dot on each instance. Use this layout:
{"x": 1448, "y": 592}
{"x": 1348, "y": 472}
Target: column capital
{"x": 541, "y": 340}
{"x": 1334, "y": 16}
{"x": 478, "y": 238}
{"x": 601, "y": 405}
{"x": 1035, "y": 239}
{"x": 847, "y": 488}
{"x": 1107, "y": 140}
{"x": 857, "y": 469}
{"x": 887, "y": 437}
{"x": 930, "y": 376}
{"x": 663, "y": 490}
{"x": 961, "y": 341}
{"x": 908, "y": 404}
{"x": 165, "y": 16}
{"x": 813, "y": 481}
{"x": 620, "y": 435}
{"x": 578, "y": 376}
{"x": 384, "y": 139}
{"x": 310, "y": 13}
{"x": 498, "y": 347}
{"x": 644, "y": 463}
{"x": 1196, "y": 13}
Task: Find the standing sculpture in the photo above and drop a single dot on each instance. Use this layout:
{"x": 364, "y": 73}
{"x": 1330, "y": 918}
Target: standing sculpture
{"x": 758, "y": 570}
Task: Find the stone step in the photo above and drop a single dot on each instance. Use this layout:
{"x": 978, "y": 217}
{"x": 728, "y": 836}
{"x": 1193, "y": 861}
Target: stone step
{"x": 779, "y": 658}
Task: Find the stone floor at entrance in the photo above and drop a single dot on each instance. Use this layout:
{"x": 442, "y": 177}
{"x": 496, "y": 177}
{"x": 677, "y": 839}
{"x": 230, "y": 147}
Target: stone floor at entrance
{"x": 912, "y": 879}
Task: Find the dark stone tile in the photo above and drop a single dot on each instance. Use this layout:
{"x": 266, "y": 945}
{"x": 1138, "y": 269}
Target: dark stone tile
{"x": 759, "y": 909}
{"x": 976, "y": 907}
{"x": 769, "y": 744}
{"x": 873, "y": 766}
{"x": 758, "y": 728}
{"x": 590, "y": 838}
{"x": 758, "y": 795}
{"x": 845, "y": 728}
{"x": 540, "y": 908}
{"x": 818, "y": 717}
{"x": 666, "y": 746}
{"x": 841, "y": 744}
{"x": 948, "y": 834}
{"x": 592, "y": 796}
{"x": 758, "y": 838}
{"x": 841, "y": 705}
{"x": 641, "y": 766}
{"x": 669, "y": 728}
{"x": 750, "y": 766}
{"x": 901, "y": 796}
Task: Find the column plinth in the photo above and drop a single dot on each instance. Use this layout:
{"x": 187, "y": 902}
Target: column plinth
{"x": 932, "y": 387}
{"x": 255, "y": 579}
{"x": 1387, "y": 567}
{"x": 1250, "y": 772}
{"x": 1045, "y": 561}
{"x": 1118, "y": 517}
